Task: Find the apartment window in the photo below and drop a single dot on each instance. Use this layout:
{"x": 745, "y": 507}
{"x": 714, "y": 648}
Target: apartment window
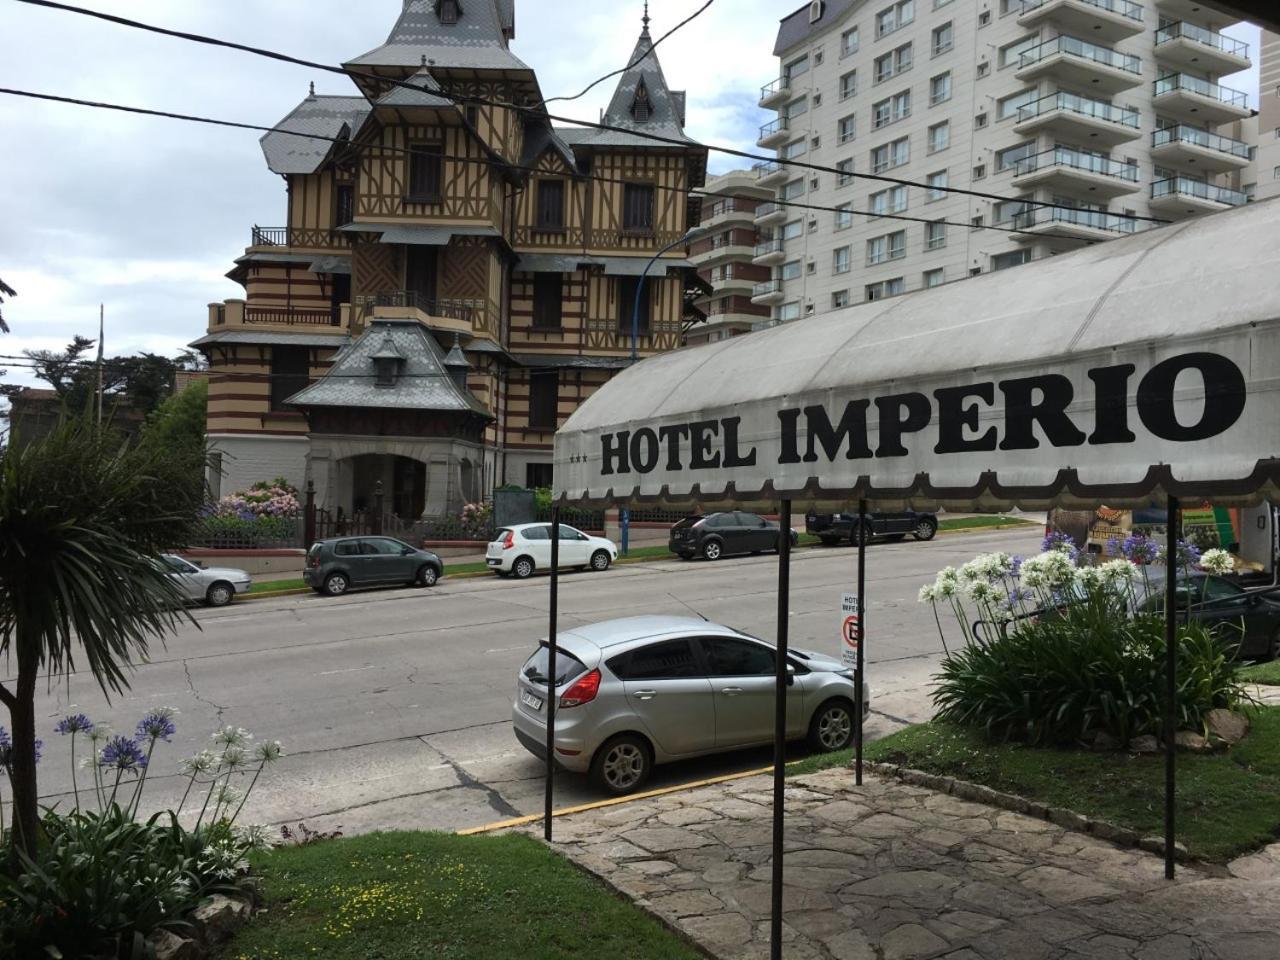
{"x": 790, "y": 270}
{"x": 1010, "y": 157}
{"x": 891, "y": 246}
{"x": 793, "y": 189}
{"x": 550, "y": 204}
{"x": 290, "y": 373}
{"x": 544, "y": 398}
{"x": 979, "y": 121}
{"x": 796, "y": 148}
{"x": 944, "y": 38}
{"x": 844, "y": 217}
{"x": 979, "y": 171}
{"x": 789, "y": 311}
{"x": 796, "y": 68}
{"x": 627, "y": 287}
{"x": 345, "y": 204}
{"x": 1011, "y": 53}
{"x": 817, "y": 58}
{"x": 1008, "y": 106}
{"x": 814, "y": 183}
{"x": 811, "y": 268}
{"x": 936, "y": 181}
{"x": 848, "y": 128}
{"x": 933, "y": 278}
{"x": 849, "y": 42}
{"x": 939, "y": 136}
{"x": 893, "y": 63}
{"x": 816, "y": 142}
{"x": 790, "y": 231}
{"x": 548, "y": 301}
{"x": 637, "y": 207}
{"x": 1006, "y": 210}
{"x": 848, "y": 84}
{"x": 885, "y": 288}
{"x": 845, "y": 175}
{"x": 939, "y": 4}
{"x": 841, "y": 260}
{"x": 891, "y": 155}
{"x": 817, "y": 99}
{"x": 425, "y": 168}
{"x": 940, "y": 89}
{"x": 796, "y": 108}
{"x": 1014, "y": 258}
{"x": 892, "y": 200}
{"x": 892, "y": 109}
{"x": 935, "y": 235}
{"x": 895, "y": 17}
{"x": 839, "y": 299}
{"x": 984, "y": 19}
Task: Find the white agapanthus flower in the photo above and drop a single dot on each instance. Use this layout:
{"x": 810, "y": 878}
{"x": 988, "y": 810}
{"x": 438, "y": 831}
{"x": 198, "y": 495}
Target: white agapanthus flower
{"x": 268, "y": 751}
{"x": 1217, "y": 562}
{"x": 1089, "y": 578}
{"x": 980, "y": 591}
{"x": 1119, "y": 572}
{"x": 945, "y": 589}
{"x": 1053, "y": 570}
{"x": 205, "y": 761}
{"x": 987, "y": 566}
{"x": 232, "y": 737}
{"x": 948, "y": 574}
{"x": 928, "y": 593}
{"x": 255, "y": 837}
{"x": 233, "y": 758}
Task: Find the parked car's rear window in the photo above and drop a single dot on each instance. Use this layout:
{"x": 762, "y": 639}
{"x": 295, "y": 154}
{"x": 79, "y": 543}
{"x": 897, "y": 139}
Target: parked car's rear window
{"x": 501, "y": 534}
{"x": 536, "y": 533}
{"x": 347, "y": 548}
{"x": 667, "y": 660}
{"x": 315, "y": 549}
{"x": 685, "y": 523}
{"x": 568, "y": 667}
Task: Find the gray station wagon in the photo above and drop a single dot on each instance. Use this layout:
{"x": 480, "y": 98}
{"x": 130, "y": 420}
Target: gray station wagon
{"x": 335, "y": 566}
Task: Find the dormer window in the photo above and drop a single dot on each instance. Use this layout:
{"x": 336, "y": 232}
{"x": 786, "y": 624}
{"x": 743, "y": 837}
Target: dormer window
{"x": 641, "y": 107}
{"x": 385, "y": 368}
{"x": 815, "y": 11}
{"x": 448, "y": 11}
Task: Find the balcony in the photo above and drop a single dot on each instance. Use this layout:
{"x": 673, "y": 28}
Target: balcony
{"x": 1191, "y": 146}
{"x": 1185, "y": 195}
{"x": 728, "y": 283}
{"x": 1196, "y": 10}
{"x": 1050, "y": 222}
{"x": 269, "y": 237}
{"x": 1084, "y": 120}
{"x": 1183, "y": 95}
{"x": 237, "y": 313}
{"x": 769, "y": 213}
{"x": 298, "y": 237}
{"x": 1109, "y": 20}
{"x": 1077, "y": 63}
{"x": 767, "y": 293}
{"x": 774, "y": 133}
{"x": 770, "y": 173}
{"x": 768, "y": 253}
{"x": 723, "y": 251}
{"x": 1065, "y": 169}
{"x": 729, "y": 211}
{"x": 1191, "y": 47}
{"x": 775, "y": 94}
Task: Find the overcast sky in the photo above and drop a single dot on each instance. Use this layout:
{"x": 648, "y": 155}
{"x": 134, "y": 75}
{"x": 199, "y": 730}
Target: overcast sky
{"x": 147, "y": 215}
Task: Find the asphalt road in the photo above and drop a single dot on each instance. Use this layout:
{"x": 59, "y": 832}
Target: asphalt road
{"x": 394, "y": 706}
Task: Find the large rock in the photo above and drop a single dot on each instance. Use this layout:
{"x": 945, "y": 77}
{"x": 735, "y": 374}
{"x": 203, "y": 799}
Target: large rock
{"x": 169, "y": 946}
{"x": 220, "y": 917}
{"x": 1190, "y": 740}
{"x": 1144, "y": 744}
{"x": 1105, "y": 741}
{"x": 1226, "y": 725}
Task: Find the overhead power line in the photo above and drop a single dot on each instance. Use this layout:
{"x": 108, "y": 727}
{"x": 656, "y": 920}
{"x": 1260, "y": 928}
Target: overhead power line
{"x": 540, "y": 112}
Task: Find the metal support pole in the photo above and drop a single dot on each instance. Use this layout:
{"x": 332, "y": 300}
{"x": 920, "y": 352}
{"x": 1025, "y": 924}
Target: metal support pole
{"x": 1171, "y": 682}
{"x": 625, "y": 521}
{"x": 551, "y": 671}
{"x": 781, "y": 678}
{"x": 859, "y": 672}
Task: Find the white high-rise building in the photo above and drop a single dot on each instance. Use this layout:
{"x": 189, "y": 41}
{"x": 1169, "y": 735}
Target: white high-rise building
{"x": 1269, "y": 117}
{"x": 1110, "y": 108}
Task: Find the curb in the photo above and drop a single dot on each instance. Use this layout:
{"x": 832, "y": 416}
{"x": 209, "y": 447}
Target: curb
{"x": 1067, "y": 819}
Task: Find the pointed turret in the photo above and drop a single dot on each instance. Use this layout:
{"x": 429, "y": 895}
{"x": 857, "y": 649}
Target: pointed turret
{"x": 447, "y": 34}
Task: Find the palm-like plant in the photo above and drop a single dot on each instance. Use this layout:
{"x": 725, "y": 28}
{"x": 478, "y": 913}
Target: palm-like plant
{"x": 82, "y": 516}
{"x": 5, "y": 291}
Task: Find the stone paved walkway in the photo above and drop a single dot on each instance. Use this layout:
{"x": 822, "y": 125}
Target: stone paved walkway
{"x": 894, "y": 872}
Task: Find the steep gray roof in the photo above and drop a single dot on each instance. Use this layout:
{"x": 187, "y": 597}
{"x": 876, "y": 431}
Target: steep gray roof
{"x": 796, "y": 28}
{"x": 538, "y": 136}
{"x": 476, "y": 41}
{"x": 665, "y": 106}
{"x": 404, "y": 97}
{"x": 322, "y": 116}
{"x": 423, "y": 382}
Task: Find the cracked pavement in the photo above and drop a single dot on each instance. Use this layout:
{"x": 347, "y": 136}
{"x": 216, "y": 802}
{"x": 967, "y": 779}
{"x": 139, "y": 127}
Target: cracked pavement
{"x": 394, "y": 706}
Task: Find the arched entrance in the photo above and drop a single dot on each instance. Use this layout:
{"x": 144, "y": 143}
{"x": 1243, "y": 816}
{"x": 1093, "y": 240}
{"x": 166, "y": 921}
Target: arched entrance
{"x": 403, "y": 480}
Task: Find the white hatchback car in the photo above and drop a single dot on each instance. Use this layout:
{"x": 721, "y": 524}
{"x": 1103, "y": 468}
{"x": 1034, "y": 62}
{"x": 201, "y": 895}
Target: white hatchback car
{"x": 525, "y": 548}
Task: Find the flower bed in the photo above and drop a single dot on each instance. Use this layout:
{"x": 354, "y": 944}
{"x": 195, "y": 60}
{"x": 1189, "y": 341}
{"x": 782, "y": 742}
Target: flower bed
{"x": 268, "y": 514}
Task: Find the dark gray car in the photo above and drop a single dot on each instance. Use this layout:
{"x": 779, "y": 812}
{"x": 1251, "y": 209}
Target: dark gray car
{"x": 335, "y": 566}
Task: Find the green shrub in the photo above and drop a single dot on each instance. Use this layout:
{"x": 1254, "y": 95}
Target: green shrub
{"x": 1064, "y": 678}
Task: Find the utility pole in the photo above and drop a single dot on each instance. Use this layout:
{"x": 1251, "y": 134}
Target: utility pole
{"x": 101, "y": 333}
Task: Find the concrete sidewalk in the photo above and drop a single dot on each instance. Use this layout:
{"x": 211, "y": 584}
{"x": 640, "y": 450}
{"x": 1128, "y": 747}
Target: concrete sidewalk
{"x": 895, "y": 872}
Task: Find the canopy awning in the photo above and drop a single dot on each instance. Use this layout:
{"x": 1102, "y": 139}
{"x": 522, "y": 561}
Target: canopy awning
{"x": 1118, "y": 373}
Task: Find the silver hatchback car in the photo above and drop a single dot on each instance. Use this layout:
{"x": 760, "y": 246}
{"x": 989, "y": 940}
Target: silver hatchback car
{"x": 647, "y": 690}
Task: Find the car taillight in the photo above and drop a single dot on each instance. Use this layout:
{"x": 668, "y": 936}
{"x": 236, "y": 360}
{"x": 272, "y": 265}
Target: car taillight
{"x": 509, "y": 540}
{"x": 583, "y": 691}
{"x": 315, "y": 560}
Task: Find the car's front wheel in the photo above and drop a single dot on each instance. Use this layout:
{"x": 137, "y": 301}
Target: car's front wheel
{"x": 600, "y": 561}
{"x": 622, "y": 765}
{"x": 713, "y": 550}
{"x": 220, "y": 594}
{"x": 925, "y": 530}
{"x": 428, "y": 576}
{"x": 832, "y": 726}
{"x": 336, "y": 584}
{"x": 522, "y": 569}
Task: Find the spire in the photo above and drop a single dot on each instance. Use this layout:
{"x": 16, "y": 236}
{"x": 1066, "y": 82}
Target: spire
{"x": 645, "y": 20}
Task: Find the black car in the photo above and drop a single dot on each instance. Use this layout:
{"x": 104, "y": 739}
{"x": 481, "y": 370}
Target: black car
{"x": 1249, "y": 618}
{"x": 335, "y": 566}
{"x": 831, "y": 528}
{"x": 716, "y": 535}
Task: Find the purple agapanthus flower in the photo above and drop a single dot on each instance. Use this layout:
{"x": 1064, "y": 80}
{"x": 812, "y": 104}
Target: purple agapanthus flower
{"x": 157, "y": 725}
{"x": 123, "y": 754}
{"x": 1140, "y": 549}
{"x": 74, "y": 723}
{"x": 1059, "y": 541}
{"x": 1188, "y": 553}
{"x": 6, "y": 750}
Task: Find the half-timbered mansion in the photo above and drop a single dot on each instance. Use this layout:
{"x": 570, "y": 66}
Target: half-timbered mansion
{"x": 457, "y": 273}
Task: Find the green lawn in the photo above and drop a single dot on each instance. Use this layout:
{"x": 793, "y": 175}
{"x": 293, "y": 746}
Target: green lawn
{"x": 404, "y": 896}
{"x": 275, "y": 586}
{"x": 1264, "y": 673}
{"x": 974, "y": 523}
{"x": 1228, "y": 803}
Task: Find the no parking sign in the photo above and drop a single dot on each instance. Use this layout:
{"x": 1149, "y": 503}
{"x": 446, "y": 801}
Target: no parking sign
{"x": 849, "y": 631}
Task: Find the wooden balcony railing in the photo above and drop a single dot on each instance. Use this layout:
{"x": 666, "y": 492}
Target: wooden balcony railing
{"x": 292, "y": 316}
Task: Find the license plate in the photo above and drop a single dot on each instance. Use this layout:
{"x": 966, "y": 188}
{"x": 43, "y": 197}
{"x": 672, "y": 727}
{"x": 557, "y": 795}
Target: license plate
{"x": 530, "y": 701}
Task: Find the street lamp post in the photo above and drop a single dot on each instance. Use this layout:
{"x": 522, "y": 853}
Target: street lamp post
{"x": 695, "y": 233}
